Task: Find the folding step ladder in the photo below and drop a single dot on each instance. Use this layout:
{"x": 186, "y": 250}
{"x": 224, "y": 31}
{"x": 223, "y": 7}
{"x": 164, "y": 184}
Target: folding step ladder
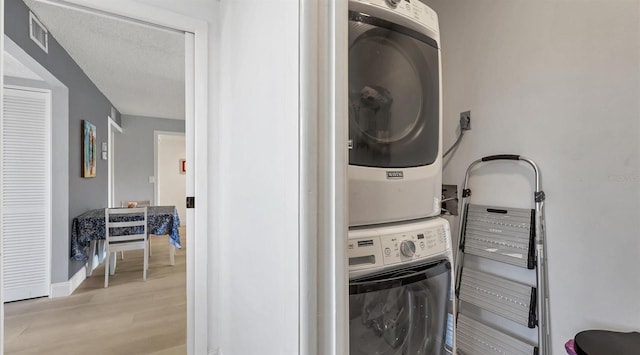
{"x": 514, "y": 238}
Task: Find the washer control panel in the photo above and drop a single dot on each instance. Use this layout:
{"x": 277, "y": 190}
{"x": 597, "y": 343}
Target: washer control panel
{"x": 413, "y": 245}
{"x": 377, "y": 247}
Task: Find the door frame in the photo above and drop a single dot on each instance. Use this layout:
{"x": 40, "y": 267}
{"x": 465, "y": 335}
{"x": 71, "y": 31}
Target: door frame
{"x": 113, "y": 125}
{"x": 323, "y": 219}
{"x": 1, "y": 185}
{"x": 196, "y": 127}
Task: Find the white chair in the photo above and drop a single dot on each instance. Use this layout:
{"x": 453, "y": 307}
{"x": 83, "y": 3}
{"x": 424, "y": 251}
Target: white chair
{"x": 133, "y": 235}
{"x": 134, "y": 203}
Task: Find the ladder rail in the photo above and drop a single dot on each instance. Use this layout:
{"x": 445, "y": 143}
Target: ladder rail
{"x": 542, "y": 307}
{"x": 542, "y": 279}
{"x": 541, "y": 267}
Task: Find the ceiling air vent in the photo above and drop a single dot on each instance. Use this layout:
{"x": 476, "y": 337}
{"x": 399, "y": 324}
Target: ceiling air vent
{"x": 38, "y": 32}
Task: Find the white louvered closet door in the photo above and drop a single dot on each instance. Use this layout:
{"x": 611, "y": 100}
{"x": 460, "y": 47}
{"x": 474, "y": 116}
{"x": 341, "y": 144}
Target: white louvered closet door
{"x": 26, "y": 193}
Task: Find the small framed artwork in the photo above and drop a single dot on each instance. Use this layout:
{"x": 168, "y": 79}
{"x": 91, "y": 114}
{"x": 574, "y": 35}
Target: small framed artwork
{"x": 183, "y": 166}
{"x": 89, "y": 149}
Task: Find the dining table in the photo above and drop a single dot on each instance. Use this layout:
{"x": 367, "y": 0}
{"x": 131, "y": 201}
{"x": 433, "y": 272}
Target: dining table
{"x": 88, "y": 233}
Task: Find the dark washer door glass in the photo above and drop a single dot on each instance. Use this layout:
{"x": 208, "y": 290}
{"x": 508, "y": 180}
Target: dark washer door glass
{"x": 401, "y": 313}
{"x": 393, "y": 95}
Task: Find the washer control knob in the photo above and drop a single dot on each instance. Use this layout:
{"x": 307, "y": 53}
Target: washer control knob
{"x": 407, "y": 248}
{"x": 393, "y": 3}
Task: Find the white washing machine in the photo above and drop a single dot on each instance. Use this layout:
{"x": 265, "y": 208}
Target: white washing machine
{"x": 395, "y": 116}
{"x": 401, "y": 289}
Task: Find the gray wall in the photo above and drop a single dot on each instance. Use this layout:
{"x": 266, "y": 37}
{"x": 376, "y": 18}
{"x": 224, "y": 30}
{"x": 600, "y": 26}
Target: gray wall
{"x": 85, "y": 102}
{"x": 558, "y": 81}
{"x": 134, "y": 155}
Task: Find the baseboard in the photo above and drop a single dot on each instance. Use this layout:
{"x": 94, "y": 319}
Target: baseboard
{"x": 64, "y": 289}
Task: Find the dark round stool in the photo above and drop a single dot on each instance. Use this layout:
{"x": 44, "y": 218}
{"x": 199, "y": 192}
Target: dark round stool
{"x": 602, "y": 342}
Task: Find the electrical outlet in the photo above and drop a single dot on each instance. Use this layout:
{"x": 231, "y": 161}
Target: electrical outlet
{"x": 465, "y": 121}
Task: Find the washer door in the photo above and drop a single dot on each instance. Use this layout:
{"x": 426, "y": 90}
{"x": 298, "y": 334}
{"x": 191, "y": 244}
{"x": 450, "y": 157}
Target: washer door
{"x": 394, "y": 112}
{"x": 404, "y": 312}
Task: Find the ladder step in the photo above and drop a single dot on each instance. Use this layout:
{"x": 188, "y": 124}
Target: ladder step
{"x": 506, "y": 298}
{"x": 501, "y": 234}
{"x": 475, "y": 338}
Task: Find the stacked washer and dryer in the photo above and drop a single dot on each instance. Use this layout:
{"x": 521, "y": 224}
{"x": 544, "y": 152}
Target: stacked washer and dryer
{"x": 400, "y": 255}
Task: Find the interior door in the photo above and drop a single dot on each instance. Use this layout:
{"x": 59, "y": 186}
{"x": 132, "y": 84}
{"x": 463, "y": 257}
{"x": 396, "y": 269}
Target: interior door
{"x": 26, "y": 193}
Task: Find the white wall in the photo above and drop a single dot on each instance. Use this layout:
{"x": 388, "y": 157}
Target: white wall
{"x": 171, "y": 183}
{"x": 258, "y": 261}
{"x": 253, "y": 151}
{"x": 559, "y": 82}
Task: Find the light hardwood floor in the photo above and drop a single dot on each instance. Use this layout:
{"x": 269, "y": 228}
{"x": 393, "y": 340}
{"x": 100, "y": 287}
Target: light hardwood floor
{"x": 130, "y": 317}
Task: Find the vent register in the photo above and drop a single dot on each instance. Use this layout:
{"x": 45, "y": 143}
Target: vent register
{"x": 38, "y": 33}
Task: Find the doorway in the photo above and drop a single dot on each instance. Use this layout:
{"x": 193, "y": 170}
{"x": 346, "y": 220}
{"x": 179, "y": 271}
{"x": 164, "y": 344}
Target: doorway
{"x": 170, "y": 170}
{"x": 196, "y": 112}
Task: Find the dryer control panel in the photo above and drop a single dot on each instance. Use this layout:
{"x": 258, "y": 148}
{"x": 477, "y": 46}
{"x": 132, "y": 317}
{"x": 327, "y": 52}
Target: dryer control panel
{"x": 383, "y": 246}
{"x": 412, "y": 9}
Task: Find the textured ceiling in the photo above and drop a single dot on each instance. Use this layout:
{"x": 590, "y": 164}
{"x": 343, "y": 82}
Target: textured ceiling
{"x": 139, "y": 68}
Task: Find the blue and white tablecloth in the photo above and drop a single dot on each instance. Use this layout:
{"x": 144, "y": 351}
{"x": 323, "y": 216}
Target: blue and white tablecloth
{"x": 90, "y": 226}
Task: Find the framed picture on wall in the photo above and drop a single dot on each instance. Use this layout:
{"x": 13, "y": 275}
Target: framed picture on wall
{"x": 89, "y": 149}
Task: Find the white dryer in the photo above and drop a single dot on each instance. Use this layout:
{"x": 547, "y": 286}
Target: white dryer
{"x": 395, "y": 120}
{"x": 401, "y": 289}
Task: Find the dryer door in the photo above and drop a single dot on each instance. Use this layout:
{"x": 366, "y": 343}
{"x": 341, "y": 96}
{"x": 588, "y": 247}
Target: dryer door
{"x": 394, "y": 95}
{"x": 404, "y": 312}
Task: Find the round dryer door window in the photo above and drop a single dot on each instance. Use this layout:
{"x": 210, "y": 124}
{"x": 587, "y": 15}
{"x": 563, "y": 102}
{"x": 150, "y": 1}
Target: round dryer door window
{"x": 401, "y": 313}
{"x": 393, "y": 95}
